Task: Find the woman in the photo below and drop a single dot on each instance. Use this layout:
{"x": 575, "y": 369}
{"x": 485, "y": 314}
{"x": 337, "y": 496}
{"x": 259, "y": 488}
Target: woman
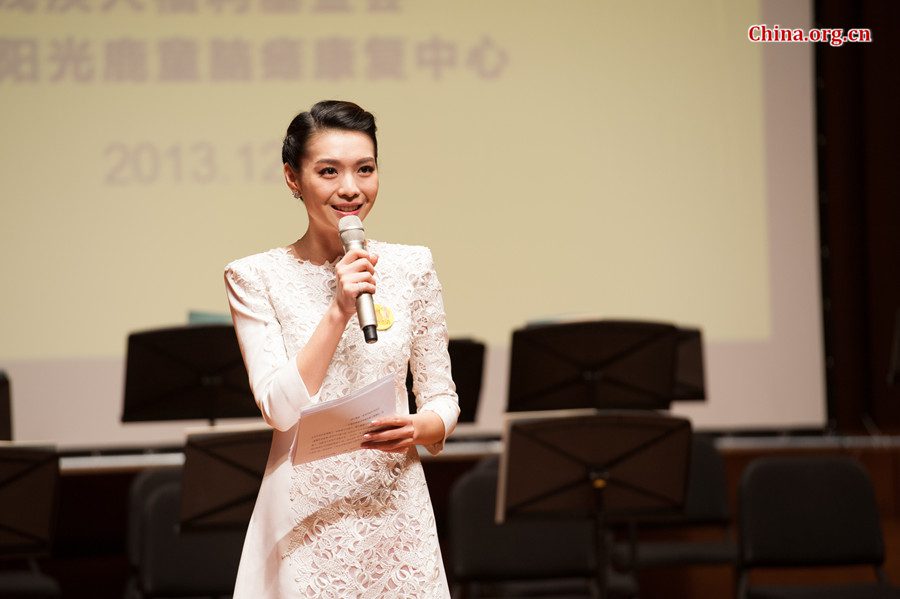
{"x": 358, "y": 524}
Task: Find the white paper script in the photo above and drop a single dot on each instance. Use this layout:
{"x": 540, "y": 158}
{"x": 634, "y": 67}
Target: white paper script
{"x": 337, "y": 426}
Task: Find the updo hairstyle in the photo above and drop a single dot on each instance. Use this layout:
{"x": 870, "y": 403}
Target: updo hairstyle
{"x": 328, "y": 114}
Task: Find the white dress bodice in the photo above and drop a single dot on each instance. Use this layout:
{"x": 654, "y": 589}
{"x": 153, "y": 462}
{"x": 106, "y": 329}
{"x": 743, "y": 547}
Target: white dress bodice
{"x": 358, "y": 524}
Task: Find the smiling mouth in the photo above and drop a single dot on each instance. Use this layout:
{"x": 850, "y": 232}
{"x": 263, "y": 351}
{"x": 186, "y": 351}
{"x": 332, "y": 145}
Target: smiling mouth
{"x": 348, "y": 207}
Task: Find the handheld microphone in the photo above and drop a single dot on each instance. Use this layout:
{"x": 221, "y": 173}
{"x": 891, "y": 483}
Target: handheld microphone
{"x": 353, "y": 237}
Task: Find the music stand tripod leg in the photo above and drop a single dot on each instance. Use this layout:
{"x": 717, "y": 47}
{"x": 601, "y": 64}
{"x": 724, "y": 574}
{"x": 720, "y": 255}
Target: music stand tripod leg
{"x": 598, "y": 483}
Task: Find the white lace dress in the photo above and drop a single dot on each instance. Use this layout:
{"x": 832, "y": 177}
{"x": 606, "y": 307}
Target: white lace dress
{"x": 358, "y": 524}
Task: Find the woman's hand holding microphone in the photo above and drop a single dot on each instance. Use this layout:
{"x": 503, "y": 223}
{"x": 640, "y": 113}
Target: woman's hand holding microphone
{"x": 355, "y": 274}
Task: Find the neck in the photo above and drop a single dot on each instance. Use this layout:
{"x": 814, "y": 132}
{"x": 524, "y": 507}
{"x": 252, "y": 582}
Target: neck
{"x": 319, "y": 246}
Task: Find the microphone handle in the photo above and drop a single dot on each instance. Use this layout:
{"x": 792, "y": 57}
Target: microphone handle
{"x": 365, "y": 305}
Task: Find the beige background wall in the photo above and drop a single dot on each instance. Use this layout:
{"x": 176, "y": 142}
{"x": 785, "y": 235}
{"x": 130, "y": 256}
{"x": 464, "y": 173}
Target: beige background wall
{"x": 610, "y": 159}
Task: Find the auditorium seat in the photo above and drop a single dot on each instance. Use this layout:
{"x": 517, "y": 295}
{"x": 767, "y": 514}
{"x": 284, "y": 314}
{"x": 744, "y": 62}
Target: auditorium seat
{"x": 552, "y": 558}
{"x": 27, "y": 584}
{"x": 812, "y": 511}
{"x": 169, "y": 562}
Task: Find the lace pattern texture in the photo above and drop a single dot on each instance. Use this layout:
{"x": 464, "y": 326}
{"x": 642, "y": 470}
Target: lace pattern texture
{"x": 364, "y": 526}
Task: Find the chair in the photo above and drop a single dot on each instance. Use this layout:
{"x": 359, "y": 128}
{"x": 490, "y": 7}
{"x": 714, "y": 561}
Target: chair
{"x": 551, "y": 557}
{"x": 142, "y": 485}
{"x": 166, "y": 561}
{"x": 29, "y": 479}
{"x": 706, "y": 505}
{"x": 467, "y": 369}
{"x": 806, "y": 512}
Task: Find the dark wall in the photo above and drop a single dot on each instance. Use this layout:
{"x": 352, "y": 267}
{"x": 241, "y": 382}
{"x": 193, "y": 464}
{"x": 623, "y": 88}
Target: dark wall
{"x": 858, "y": 101}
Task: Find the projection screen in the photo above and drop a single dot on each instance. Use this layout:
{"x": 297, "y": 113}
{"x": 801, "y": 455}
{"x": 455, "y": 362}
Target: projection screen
{"x": 569, "y": 159}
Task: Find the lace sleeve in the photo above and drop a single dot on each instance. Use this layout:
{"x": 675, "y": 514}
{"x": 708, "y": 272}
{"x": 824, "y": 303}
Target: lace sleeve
{"x": 279, "y": 391}
{"x": 429, "y": 361}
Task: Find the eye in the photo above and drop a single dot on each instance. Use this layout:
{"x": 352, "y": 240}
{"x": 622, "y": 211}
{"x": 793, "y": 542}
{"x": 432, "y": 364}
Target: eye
{"x": 367, "y": 169}
{"x": 328, "y": 170}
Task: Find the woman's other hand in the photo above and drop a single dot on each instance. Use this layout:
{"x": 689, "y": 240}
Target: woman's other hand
{"x": 399, "y": 433}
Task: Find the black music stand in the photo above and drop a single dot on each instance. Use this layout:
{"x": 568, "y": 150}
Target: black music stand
{"x": 607, "y": 364}
{"x": 222, "y": 474}
{"x": 29, "y": 477}
{"x": 183, "y": 373}
{"x": 467, "y": 370}
{"x": 603, "y": 464}
{"x": 6, "y": 429}
{"x": 690, "y": 379}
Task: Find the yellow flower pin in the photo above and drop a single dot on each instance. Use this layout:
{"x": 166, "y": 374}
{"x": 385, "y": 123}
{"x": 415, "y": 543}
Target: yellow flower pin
{"x": 384, "y": 317}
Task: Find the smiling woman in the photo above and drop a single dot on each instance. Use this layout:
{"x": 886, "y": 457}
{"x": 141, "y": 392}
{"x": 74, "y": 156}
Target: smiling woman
{"x": 336, "y": 177}
{"x": 357, "y": 524}
{"x": 330, "y": 160}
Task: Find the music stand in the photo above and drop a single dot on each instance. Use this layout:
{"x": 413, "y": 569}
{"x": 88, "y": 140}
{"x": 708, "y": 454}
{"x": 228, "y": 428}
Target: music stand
{"x": 690, "y": 379}
{"x": 467, "y": 370}
{"x": 183, "y": 373}
{"x": 6, "y": 431}
{"x": 222, "y": 474}
{"x": 606, "y": 364}
{"x": 29, "y": 477}
{"x": 603, "y": 464}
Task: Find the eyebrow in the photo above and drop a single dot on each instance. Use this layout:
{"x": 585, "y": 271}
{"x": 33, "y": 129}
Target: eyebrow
{"x": 335, "y": 161}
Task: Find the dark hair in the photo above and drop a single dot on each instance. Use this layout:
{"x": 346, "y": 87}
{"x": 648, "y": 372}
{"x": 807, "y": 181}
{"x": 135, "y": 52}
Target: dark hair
{"x": 328, "y": 114}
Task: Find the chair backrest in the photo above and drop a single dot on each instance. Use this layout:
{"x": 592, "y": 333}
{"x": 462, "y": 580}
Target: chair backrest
{"x": 179, "y": 564}
{"x": 142, "y": 486}
{"x": 706, "y": 501}
{"x": 481, "y": 550}
{"x": 805, "y": 511}
{"x": 467, "y": 369}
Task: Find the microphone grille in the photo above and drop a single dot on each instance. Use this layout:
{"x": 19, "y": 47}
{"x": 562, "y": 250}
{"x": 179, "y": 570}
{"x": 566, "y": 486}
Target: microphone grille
{"x": 351, "y": 229}
{"x": 350, "y": 222}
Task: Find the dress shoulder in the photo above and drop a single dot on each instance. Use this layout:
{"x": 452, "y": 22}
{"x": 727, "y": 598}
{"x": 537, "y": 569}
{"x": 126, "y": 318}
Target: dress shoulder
{"x": 252, "y": 268}
{"x": 253, "y": 261}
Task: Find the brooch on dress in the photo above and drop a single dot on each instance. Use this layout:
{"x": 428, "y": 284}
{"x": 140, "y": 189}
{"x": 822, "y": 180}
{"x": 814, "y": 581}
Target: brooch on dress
{"x": 384, "y": 317}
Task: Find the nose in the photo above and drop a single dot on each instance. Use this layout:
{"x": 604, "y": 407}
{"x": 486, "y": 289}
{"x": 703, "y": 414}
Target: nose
{"x": 348, "y": 189}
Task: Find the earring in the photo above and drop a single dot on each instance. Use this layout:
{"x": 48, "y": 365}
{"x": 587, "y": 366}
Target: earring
{"x": 297, "y": 195}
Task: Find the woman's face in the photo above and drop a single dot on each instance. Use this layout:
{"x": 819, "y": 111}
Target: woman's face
{"x": 338, "y": 177}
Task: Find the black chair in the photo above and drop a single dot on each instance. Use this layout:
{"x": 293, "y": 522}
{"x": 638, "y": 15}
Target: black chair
{"x": 706, "y": 505}
{"x": 551, "y": 557}
{"x": 467, "y": 369}
{"x": 143, "y": 484}
{"x": 29, "y": 480}
{"x": 810, "y": 512}
{"x": 168, "y": 562}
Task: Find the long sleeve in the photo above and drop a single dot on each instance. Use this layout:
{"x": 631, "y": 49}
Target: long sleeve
{"x": 276, "y": 383}
{"x": 429, "y": 360}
